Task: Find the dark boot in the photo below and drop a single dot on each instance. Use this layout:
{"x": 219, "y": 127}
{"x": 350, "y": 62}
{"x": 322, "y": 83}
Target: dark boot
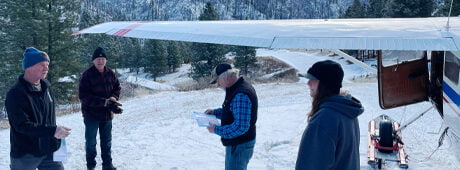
{"x": 108, "y": 168}
{"x": 90, "y": 168}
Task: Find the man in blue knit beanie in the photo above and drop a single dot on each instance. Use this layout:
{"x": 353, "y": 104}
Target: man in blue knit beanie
{"x": 30, "y": 105}
{"x": 33, "y": 56}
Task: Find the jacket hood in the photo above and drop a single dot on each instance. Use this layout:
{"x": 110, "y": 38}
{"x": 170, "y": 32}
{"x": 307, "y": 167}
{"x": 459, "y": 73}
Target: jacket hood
{"x": 344, "y": 104}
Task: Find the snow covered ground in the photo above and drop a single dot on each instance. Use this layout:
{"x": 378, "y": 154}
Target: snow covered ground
{"x": 156, "y": 132}
{"x": 150, "y": 84}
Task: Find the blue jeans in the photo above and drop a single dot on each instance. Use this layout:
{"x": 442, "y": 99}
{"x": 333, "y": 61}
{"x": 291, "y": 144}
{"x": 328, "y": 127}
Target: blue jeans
{"x": 237, "y": 157}
{"x": 31, "y": 162}
{"x": 105, "y": 135}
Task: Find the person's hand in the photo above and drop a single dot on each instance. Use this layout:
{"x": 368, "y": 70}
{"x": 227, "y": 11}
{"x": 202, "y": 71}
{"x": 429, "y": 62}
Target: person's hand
{"x": 211, "y": 128}
{"x": 108, "y": 100}
{"x": 61, "y": 132}
{"x": 114, "y": 107}
{"x": 209, "y": 111}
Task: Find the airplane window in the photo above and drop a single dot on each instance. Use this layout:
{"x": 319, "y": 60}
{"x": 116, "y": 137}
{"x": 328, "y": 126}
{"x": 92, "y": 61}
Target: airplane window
{"x": 452, "y": 67}
{"x": 397, "y": 57}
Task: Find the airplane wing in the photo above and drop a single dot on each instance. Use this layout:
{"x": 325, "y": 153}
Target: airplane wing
{"x": 371, "y": 34}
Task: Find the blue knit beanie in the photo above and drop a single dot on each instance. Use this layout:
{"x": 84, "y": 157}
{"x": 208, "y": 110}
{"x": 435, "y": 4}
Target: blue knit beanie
{"x": 33, "y": 56}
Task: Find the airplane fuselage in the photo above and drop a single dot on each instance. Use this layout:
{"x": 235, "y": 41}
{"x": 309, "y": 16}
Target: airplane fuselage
{"x": 451, "y": 99}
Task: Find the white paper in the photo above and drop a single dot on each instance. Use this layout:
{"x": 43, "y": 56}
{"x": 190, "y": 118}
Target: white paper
{"x": 205, "y": 120}
{"x": 61, "y": 154}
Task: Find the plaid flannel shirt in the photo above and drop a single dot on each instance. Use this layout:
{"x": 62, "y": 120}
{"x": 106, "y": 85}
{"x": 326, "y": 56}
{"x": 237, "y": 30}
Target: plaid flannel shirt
{"x": 241, "y": 108}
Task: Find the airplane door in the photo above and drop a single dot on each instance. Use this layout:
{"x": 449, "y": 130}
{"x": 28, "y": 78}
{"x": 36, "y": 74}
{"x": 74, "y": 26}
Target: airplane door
{"x": 436, "y": 70}
{"x": 403, "y": 78}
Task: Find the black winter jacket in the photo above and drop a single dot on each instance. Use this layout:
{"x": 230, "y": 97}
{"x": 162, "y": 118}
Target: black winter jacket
{"x": 32, "y": 118}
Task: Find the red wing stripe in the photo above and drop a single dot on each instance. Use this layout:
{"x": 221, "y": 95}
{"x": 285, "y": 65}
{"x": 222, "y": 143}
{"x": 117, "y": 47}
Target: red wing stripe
{"x": 127, "y": 29}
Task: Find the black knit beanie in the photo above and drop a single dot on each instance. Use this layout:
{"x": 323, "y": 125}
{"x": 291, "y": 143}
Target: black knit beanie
{"x": 99, "y": 52}
{"x": 328, "y": 72}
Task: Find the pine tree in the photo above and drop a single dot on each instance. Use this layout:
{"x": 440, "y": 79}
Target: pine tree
{"x": 10, "y": 61}
{"x": 355, "y": 11}
{"x": 174, "y": 58}
{"x": 209, "y": 13}
{"x": 62, "y": 49}
{"x": 156, "y": 55}
{"x": 10, "y": 69}
{"x": 46, "y": 25}
{"x": 245, "y": 58}
{"x": 378, "y": 8}
{"x": 206, "y": 56}
{"x": 154, "y": 11}
{"x": 444, "y": 10}
{"x": 185, "y": 51}
{"x": 132, "y": 56}
{"x": 411, "y": 8}
{"x": 113, "y": 50}
{"x": 111, "y": 44}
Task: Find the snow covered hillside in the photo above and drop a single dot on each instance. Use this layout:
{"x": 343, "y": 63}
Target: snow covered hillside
{"x": 302, "y": 60}
{"x": 156, "y": 132}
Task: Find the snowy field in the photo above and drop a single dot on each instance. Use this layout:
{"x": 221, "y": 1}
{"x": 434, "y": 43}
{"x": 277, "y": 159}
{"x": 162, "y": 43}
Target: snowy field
{"x": 156, "y": 132}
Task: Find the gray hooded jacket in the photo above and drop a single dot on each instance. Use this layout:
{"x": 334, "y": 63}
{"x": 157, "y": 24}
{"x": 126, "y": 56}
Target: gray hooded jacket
{"x": 331, "y": 139}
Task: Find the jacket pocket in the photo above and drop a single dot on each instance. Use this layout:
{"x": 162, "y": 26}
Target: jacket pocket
{"x": 47, "y": 145}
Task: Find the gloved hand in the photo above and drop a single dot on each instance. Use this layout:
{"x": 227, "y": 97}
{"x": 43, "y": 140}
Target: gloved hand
{"x": 114, "y": 107}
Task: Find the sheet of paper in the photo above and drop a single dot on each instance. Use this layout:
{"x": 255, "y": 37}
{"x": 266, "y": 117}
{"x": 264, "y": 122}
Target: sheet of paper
{"x": 61, "y": 154}
{"x": 204, "y": 120}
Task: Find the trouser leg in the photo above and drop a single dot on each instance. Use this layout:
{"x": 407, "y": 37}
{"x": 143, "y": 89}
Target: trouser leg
{"x": 91, "y": 126}
{"x": 105, "y": 133}
{"x": 237, "y": 157}
{"x": 49, "y": 164}
{"x": 26, "y": 162}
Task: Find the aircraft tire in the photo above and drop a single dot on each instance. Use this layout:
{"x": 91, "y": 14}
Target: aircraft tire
{"x": 386, "y": 135}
